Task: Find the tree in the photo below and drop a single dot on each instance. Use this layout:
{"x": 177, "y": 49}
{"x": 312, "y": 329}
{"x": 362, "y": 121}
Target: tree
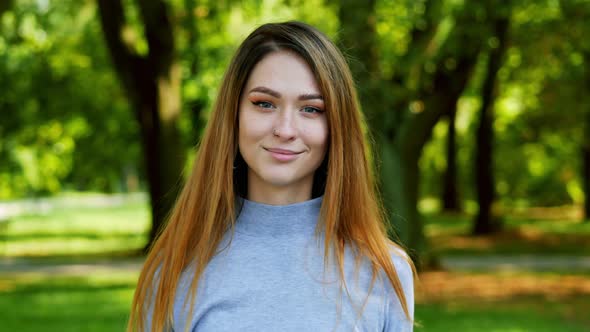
{"x": 579, "y": 12}
{"x": 450, "y": 194}
{"x": 62, "y": 114}
{"x": 402, "y": 108}
{"x": 586, "y": 144}
{"x": 5, "y": 6}
{"x": 485, "y": 222}
{"x": 152, "y": 82}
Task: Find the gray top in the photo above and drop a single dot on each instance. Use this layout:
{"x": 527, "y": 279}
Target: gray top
{"x": 270, "y": 277}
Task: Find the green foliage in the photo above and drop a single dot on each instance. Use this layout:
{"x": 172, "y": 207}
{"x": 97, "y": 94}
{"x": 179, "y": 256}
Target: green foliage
{"x": 211, "y": 33}
{"x": 63, "y": 115}
{"x": 539, "y": 114}
{"x": 65, "y": 122}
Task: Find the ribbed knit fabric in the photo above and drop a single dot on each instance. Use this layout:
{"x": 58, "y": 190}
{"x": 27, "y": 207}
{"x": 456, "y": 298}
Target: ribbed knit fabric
{"x": 270, "y": 277}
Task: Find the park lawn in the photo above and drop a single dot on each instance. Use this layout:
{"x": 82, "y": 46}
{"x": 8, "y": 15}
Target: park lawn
{"x": 45, "y": 303}
{"x": 449, "y": 234}
{"x": 121, "y": 230}
{"x": 77, "y": 232}
{"x": 535, "y": 314}
{"x": 503, "y": 301}
{"x": 101, "y": 303}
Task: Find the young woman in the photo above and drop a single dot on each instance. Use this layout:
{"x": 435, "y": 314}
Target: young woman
{"x": 278, "y": 227}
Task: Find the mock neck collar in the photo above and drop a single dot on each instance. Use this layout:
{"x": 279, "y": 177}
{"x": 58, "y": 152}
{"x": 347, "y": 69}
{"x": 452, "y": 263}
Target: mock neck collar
{"x": 259, "y": 219}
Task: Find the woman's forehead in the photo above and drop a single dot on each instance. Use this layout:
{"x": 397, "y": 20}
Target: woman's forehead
{"x": 285, "y": 73}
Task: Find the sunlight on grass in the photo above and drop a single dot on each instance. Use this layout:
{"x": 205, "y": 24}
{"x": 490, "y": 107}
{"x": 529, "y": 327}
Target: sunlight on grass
{"x": 97, "y": 303}
{"x": 77, "y": 231}
{"x": 553, "y": 226}
{"x": 450, "y": 234}
{"x": 517, "y": 314}
{"x": 446, "y": 224}
{"x": 60, "y": 246}
{"x": 502, "y": 301}
{"x": 101, "y": 302}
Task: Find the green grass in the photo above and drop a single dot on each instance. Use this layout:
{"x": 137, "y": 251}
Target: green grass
{"x": 503, "y": 301}
{"x": 517, "y": 314}
{"x": 77, "y": 232}
{"x": 74, "y": 232}
{"x": 449, "y": 234}
{"x": 97, "y": 303}
{"x": 101, "y": 303}
{"x": 439, "y": 224}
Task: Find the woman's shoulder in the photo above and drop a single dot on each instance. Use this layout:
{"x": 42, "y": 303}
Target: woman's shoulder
{"x": 404, "y": 269}
{"x": 403, "y": 266}
{"x": 400, "y": 257}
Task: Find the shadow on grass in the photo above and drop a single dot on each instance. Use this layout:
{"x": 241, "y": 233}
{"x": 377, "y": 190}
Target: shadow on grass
{"x": 513, "y": 242}
{"x": 449, "y": 234}
{"x": 453, "y": 301}
{"x": 87, "y": 258}
{"x": 101, "y": 303}
{"x": 531, "y": 313}
{"x": 47, "y": 235}
{"x": 66, "y": 304}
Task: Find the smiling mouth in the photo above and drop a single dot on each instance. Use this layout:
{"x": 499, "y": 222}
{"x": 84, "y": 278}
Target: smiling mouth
{"x": 282, "y": 151}
{"x": 282, "y": 155}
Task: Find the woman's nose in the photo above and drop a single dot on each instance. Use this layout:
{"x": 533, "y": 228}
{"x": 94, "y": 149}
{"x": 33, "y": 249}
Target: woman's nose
{"x": 285, "y": 126}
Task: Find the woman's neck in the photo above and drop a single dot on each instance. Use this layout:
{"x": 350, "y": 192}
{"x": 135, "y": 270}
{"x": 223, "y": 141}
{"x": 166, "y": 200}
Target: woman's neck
{"x": 272, "y": 195}
{"x": 260, "y": 219}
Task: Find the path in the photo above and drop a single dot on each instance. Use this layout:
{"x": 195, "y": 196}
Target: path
{"x": 23, "y": 266}
{"x": 517, "y": 263}
{"x": 9, "y": 209}
{"x": 465, "y": 263}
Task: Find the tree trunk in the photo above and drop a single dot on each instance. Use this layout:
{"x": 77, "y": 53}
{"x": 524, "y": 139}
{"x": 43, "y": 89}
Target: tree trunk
{"x": 401, "y": 157}
{"x": 400, "y": 196}
{"x": 586, "y": 175}
{"x": 578, "y": 11}
{"x": 485, "y": 222}
{"x": 357, "y": 19}
{"x": 402, "y": 110}
{"x": 152, "y": 83}
{"x": 586, "y": 146}
{"x": 5, "y": 5}
{"x": 195, "y": 105}
{"x": 450, "y": 193}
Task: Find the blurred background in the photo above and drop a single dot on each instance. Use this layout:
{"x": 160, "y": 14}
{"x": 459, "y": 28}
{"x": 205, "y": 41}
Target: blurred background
{"x": 479, "y": 110}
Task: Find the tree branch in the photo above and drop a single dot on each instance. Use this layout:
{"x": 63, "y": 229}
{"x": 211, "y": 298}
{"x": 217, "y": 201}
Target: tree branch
{"x": 126, "y": 62}
{"x": 159, "y": 34}
{"x": 5, "y": 6}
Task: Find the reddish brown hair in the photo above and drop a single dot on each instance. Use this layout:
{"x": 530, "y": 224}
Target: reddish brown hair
{"x": 350, "y": 215}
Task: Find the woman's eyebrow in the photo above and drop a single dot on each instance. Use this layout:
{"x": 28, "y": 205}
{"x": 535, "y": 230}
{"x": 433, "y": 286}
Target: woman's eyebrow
{"x": 309, "y": 96}
{"x": 268, "y": 91}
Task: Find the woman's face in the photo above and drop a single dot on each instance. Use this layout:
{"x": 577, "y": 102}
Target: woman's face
{"x": 283, "y": 130}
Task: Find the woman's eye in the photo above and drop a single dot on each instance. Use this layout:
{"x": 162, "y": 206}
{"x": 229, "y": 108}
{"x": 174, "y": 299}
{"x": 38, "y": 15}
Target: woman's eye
{"x": 263, "y": 104}
{"x": 312, "y": 110}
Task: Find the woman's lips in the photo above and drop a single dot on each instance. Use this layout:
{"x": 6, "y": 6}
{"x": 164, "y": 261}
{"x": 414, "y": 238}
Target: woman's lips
{"x": 282, "y": 154}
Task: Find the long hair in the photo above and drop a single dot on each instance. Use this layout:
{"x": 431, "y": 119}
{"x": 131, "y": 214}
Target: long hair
{"x": 351, "y": 214}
